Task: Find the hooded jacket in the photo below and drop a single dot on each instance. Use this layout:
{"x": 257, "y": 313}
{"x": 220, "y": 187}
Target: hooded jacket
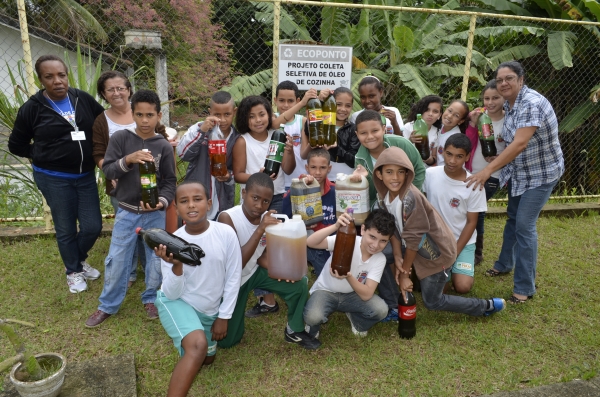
{"x": 53, "y": 147}
{"x": 423, "y": 229}
{"x": 363, "y": 157}
{"x": 193, "y": 148}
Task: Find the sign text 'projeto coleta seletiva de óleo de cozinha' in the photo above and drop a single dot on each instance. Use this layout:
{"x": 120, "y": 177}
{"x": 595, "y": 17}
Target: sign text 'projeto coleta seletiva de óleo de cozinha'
{"x": 315, "y": 65}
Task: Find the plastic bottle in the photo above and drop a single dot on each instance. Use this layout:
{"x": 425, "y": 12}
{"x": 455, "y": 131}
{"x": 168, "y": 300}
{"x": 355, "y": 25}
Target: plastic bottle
{"x": 345, "y": 239}
{"x": 275, "y": 153}
{"x": 306, "y": 201}
{"x": 286, "y": 253}
{"x": 217, "y": 152}
{"x": 329, "y": 110}
{"x": 314, "y": 115}
{"x": 353, "y": 195}
{"x": 148, "y": 182}
{"x": 183, "y": 251}
{"x": 407, "y": 316}
{"x": 420, "y": 129}
{"x": 486, "y": 135}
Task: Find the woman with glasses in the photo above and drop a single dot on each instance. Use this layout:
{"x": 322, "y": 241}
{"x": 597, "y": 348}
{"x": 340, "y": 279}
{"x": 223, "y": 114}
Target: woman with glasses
{"x": 533, "y": 163}
{"x": 54, "y": 129}
{"x": 114, "y": 87}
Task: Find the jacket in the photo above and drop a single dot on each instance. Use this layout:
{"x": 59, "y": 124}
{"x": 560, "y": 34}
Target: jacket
{"x": 100, "y": 143}
{"x": 129, "y": 188}
{"x": 423, "y": 229}
{"x": 347, "y": 145}
{"x": 53, "y": 147}
{"x": 363, "y": 157}
{"x": 193, "y": 147}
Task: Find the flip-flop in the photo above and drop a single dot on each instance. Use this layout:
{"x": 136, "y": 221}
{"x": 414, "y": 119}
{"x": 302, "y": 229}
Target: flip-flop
{"x": 494, "y": 273}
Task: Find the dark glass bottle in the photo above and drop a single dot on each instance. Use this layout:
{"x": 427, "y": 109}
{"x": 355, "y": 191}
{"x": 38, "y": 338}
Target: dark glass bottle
{"x": 275, "y": 153}
{"x": 486, "y": 135}
{"x": 420, "y": 129}
{"x": 345, "y": 239}
{"x": 183, "y": 251}
{"x": 407, "y": 316}
{"x": 329, "y": 121}
{"x": 148, "y": 182}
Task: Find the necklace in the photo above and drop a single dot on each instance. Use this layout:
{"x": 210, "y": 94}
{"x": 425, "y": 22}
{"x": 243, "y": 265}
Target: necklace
{"x": 69, "y": 120}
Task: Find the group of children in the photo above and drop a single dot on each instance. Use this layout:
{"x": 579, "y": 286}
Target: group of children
{"x": 204, "y": 306}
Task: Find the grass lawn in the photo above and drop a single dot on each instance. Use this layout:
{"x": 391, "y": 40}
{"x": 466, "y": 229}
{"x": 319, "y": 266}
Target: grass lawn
{"x": 553, "y": 338}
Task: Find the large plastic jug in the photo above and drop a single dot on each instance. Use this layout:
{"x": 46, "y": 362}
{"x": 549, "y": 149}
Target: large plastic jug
{"x": 306, "y": 201}
{"x": 286, "y": 249}
{"x": 353, "y": 195}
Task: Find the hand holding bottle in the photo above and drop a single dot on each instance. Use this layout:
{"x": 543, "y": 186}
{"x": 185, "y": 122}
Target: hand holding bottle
{"x": 161, "y": 252}
{"x": 343, "y": 220}
{"x": 335, "y": 274}
{"x": 474, "y": 116}
{"x": 324, "y": 94}
{"x": 405, "y": 285}
{"x": 209, "y": 123}
{"x": 148, "y": 208}
{"x": 139, "y": 157}
{"x": 310, "y": 94}
{"x": 358, "y": 173}
{"x": 268, "y": 220}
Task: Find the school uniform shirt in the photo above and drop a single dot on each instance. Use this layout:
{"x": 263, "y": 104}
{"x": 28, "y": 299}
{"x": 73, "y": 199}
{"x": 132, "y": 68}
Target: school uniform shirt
{"x": 256, "y": 153}
{"x": 453, "y": 200}
{"x": 432, "y": 135}
{"x": 441, "y": 141}
{"x": 211, "y": 288}
{"x": 389, "y": 129}
{"x": 327, "y": 203}
{"x": 372, "y": 269}
{"x": 294, "y": 129}
{"x": 244, "y": 230}
{"x": 478, "y": 161}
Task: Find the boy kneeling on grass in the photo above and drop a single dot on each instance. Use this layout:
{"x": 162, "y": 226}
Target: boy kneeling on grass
{"x": 430, "y": 244}
{"x": 195, "y": 303}
{"x": 352, "y": 293}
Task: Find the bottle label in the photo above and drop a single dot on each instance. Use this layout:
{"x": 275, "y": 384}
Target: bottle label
{"x": 148, "y": 181}
{"x": 407, "y": 312}
{"x": 315, "y": 115}
{"x": 328, "y": 118}
{"x": 309, "y": 206}
{"x": 275, "y": 152}
{"x": 217, "y": 147}
{"x": 486, "y": 131}
{"x": 358, "y": 200}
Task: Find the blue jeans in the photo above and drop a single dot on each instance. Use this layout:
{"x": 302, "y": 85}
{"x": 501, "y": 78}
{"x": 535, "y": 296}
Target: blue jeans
{"x": 490, "y": 186}
{"x": 70, "y": 201}
{"x": 519, "y": 244}
{"x": 139, "y": 253}
{"x": 120, "y": 254}
{"x": 363, "y": 314}
{"x": 317, "y": 258}
{"x": 432, "y": 292}
{"x": 388, "y": 288}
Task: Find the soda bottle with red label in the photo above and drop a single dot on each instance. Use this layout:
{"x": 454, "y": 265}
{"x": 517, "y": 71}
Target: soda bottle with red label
{"x": 407, "y": 316}
{"x": 486, "y": 135}
{"x": 185, "y": 252}
{"x": 217, "y": 152}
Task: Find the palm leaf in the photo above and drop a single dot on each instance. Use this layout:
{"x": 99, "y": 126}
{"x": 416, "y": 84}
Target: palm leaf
{"x": 496, "y": 31}
{"x": 432, "y": 39}
{"x": 334, "y": 21}
{"x": 287, "y": 24}
{"x": 411, "y": 77}
{"x": 451, "y": 50}
{"x": 578, "y": 116}
{"x": 70, "y": 15}
{"x": 513, "y": 53}
{"x": 503, "y": 6}
{"x": 403, "y": 38}
{"x": 593, "y": 6}
{"x": 256, "y": 84}
{"x": 560, "y": 48}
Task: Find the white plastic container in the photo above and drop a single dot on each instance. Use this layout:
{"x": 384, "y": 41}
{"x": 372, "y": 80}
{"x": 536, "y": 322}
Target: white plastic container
{"x": 353, "y": 195}
{"x": 286, "y": 249}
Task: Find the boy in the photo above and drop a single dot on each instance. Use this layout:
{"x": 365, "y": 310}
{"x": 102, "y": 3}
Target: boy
{"x": 370, "y": 130}
{"x": 352, "y": 293}
{"x": 459, "y": 207}
{"x": 193, "y": 147}
{"x": 318, "y": 166}
{"x": 430, "y": 245}
{"x": 249, "y": 220}
{"x": 196, "y": 302}
{"x": 122, "y": 159}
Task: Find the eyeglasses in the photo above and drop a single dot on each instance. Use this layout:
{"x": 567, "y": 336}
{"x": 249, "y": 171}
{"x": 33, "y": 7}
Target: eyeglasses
{"x": 116, "y": 89}
{"x": 508, "y": 79}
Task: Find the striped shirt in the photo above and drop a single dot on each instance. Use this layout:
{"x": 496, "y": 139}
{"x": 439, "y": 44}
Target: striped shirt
{"x": 542, "y": 160}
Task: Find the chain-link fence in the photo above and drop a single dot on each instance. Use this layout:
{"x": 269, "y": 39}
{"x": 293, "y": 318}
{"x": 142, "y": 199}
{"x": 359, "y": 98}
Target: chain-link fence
{"x": 202, "y": 46}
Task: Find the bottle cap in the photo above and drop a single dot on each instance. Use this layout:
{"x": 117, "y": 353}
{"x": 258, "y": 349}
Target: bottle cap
{"x": 419, "y": 115}
{"x": 145, "y": 150}
{"x": 297, "y": 218}
{"x": 350, "y": 211}
{"x": 340, "y": 177}
{"x": 295, "y": 180}
{"x": 137, "y": 230}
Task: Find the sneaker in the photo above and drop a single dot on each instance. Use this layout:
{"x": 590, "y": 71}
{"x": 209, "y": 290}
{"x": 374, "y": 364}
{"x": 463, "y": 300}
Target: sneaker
{"x": 307, "y": 329}
{"x": 96, "y": 319}
{"x": 261, "y": 308}
{"x": 151, "y": 311}
{"x": 76, "y": 282}
{"x": 303, "y": 339}
{"x": 392, "y": 316}
{"x": 499, "y": 305}
{"x": 361, "y": 334}
{"x": 89, "y": 272}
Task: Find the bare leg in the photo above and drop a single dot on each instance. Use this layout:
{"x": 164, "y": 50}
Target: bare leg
{"x": 195, "y": 347}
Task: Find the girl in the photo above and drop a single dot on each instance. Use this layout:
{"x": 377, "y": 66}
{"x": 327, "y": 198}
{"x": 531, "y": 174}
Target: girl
{"x": 253, "y": 121}
{"x": 371, "y": 91}
{"x": 454, "y": 121}
{"x": 493, "y": 103}
{"x": 430, "y": 108}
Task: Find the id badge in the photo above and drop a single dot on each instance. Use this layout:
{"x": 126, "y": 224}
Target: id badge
{"x": 78, "y": 135}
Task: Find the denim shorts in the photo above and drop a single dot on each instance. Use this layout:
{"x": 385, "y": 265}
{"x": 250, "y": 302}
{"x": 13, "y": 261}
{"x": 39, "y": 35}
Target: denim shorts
{"x": 464, "y": 261}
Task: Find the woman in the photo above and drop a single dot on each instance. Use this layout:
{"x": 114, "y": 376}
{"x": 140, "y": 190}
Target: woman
{"x": 59, "y": 120}
{"x": 534, "y": 163}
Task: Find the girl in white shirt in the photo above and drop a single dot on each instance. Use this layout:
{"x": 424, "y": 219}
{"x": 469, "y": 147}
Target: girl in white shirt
{"x": 430, "y": 107}
{"x": 455, "y": 120}
{"x": 371, "y": 92}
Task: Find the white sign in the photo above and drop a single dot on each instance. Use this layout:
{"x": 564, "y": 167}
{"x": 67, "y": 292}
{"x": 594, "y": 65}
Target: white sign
{"x": 315, "y": 66}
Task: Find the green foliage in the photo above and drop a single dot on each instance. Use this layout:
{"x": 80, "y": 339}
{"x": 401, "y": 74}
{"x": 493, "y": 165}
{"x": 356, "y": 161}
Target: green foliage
{"x": 82, "y": 79}
{"x": 560, "y": 46}
{"x": 242, "y": 86}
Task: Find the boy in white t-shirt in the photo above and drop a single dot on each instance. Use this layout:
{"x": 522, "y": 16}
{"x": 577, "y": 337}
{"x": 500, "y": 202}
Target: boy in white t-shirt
{"x": 195, "y": 303}
{"x": 352, "y": 293}
{"x": 458, "y": 206}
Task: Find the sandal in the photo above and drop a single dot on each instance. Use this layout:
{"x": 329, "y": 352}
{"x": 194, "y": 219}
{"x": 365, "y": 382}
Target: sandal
{"x": 514, "y": 300}
{"x": 494, "y": 273}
